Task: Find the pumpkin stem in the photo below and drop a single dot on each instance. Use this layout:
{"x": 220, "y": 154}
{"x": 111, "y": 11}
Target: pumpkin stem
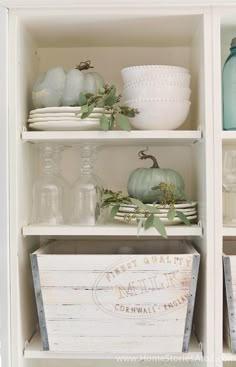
{"x": 84, "y": 65}
{"x": 142, "y": 155}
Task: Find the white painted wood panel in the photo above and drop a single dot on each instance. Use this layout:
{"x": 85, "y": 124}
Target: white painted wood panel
{"x": 112, "y": 138}
{"x": 140, "y": 345}
{"x": 110, "y": 230}
{"x": 83, "y": 278}
{"x": 76, "y": 296}
{"x": 91, "y": 328}
{"x": 114, "y": 263}
{"x": 34, "y": 350}
{"x": 83, "y": 311}
{"x": 4, "y": 193}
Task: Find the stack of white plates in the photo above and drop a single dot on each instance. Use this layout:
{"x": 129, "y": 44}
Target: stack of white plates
{"x": 64, "y": 118}
{"x": 160, "y": 92}
{"x": 131, "y": 214}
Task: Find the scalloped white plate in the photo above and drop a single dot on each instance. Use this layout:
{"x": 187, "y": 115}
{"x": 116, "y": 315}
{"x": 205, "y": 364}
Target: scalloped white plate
{"x": 62, "y": 109}
{"x": 52, "y": 116}
{"x": 159, "y": 215}
{"x": 183, "y": 205}
{"x": 34, "y": 120}
{"x": 66, "y": 126}
{"x": 163, "y": 220}
{"x": 161, "y": 211}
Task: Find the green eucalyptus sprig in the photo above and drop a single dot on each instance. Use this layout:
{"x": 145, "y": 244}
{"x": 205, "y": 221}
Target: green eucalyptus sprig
{"x": 107, "y": 98}
{"x": 114, "y": 200}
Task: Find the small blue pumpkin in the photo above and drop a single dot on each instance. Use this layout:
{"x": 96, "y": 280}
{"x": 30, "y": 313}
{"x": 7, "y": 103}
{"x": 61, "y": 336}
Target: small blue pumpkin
{"x": 142, "y": 180}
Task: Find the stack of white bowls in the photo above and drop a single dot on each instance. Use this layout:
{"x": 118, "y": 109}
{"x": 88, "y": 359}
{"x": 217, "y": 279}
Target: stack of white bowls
{"x": 161, "y": 93}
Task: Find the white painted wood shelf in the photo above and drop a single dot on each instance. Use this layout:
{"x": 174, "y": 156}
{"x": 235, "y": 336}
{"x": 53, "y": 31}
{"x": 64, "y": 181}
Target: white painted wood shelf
{"x": 141, "y": 137}
{"x": 109, "y": 230}
{"x": 227, "y": 355}
{"x": 229, "y": 137}
{"x": 229, "y": 231}
{"x": 34, "y": 350}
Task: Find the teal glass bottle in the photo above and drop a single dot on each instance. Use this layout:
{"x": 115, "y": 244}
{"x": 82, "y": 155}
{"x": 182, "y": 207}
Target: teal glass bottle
{"x": 229, "y": 89}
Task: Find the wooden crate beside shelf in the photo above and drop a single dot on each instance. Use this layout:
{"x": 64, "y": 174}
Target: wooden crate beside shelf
{"x": 136, "y": 303}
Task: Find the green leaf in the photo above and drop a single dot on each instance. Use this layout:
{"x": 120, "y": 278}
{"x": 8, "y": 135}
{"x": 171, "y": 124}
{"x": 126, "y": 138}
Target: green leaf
{"x": 107, "y": 196}
{"x": 114, "y": 211}
{"x": 82, "y": 99}
{"x": 160, "y": 227}
{"x": 110, "y": 100}
{"x": 149, "y": 222}
{"x": 123, "y": 122}
{"x": 171, "y": 213}
{"x": 127, "y": 111}
{"x": 112, "y": 122}
{"x": 104, "y": 122}
{"x": 183, "y": 218}
{"x": 97, "y": 211}
{"x": 140, "y": 226}
{"x": 138, "y": 203}
{"x": 143, "y": 206}
{"x": 90, "y": 110}
{"x": 84, "y": 109}
{"x": 101, "y": 90}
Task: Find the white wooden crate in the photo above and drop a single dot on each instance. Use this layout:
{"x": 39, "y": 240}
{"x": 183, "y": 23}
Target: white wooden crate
{"x": 140, "y": 303}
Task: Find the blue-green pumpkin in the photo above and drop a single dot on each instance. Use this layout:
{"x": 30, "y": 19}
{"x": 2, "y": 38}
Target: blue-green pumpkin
{"x": 142, "y": 180}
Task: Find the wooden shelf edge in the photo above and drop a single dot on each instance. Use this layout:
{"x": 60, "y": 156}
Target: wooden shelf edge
{"x": 114, "y": 137}
{"x": 227, "y": 356}
{"x": 34, "y": 350}
{"x": 228, "y": 137}
{"x": 229, "y": 232}
{"x": 109, "y": 230}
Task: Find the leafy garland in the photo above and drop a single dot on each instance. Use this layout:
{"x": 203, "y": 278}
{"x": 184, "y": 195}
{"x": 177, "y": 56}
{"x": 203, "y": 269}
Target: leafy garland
{"x": 106, "y": 98}
{"x": 168, "y": 192}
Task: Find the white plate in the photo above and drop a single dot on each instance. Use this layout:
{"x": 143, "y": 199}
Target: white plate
{"x": 183, "y": 205}
{"x": 57, "y": 115}
{"x": 62, "y": 109}
{"x": 32, "y": 121}
{"x": 163, "y": 220}
{"x": 163, "y": 211}
{"x": 160, "y": 215}
{"x": 66, "y": 126}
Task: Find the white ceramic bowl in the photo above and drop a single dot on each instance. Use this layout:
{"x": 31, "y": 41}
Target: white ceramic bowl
{"x": 144, "y": 90}
{"x": 134, "y": 74}
{"x": 160, "y": 68}
{"x": 156, "y": 114}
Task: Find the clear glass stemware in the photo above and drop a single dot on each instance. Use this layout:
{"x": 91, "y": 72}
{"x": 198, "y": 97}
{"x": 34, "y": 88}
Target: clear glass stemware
{"x": 50, "y": 191}
{"x": 86, "y": 191}
{"x": 229, "y": 188}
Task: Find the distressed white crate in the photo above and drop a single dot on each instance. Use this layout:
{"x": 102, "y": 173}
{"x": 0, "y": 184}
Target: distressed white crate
{"x": 229, "y": 262}
{"x": 141, "y": 303}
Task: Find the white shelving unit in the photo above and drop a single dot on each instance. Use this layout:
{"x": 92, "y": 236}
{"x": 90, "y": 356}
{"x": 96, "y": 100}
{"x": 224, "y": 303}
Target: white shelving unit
{"x": 113, "y": 35}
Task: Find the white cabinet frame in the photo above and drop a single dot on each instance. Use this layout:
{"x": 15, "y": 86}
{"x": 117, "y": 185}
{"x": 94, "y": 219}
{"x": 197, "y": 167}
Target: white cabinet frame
{"x": 213, "y": 134}
{"x": 4, "y": 192}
